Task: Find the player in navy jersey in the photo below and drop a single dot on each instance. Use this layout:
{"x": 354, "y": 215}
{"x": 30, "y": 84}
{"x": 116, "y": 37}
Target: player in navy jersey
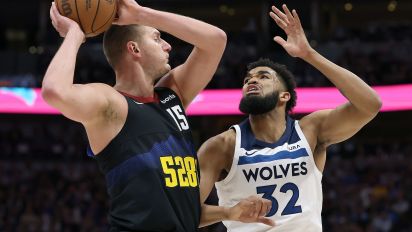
{"x": 138, "y": 132}
{"x": 274, "y": 156}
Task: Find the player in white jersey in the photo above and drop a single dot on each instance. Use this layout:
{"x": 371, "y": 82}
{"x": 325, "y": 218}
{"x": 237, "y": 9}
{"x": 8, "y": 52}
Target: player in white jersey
{"x": 274, "y": 156}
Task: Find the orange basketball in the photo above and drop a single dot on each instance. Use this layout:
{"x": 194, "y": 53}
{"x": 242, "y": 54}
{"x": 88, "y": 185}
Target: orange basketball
{"x": 93, "y": 16}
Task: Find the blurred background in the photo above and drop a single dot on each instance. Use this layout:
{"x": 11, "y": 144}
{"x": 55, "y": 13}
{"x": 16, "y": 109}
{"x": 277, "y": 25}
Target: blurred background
{"x": 47, "y": 183}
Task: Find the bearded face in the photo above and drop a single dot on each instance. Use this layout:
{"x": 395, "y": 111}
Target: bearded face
{"x": 257, "y": 104}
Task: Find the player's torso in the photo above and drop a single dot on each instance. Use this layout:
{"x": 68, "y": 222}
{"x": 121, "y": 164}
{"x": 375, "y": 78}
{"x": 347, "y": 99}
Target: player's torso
{"x": 151, "y": 168}
{"x": 283, "y": 172}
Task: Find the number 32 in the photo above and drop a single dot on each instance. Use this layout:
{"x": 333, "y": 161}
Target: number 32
{"x": 290, "y": 208}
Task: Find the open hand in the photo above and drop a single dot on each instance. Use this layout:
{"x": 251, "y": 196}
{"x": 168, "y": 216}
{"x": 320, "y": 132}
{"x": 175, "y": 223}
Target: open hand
{"x": 296, "y": 44}
{"x": 251, "y": 209}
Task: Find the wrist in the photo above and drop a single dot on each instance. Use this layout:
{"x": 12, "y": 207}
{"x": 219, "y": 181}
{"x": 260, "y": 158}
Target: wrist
{"x": 76, "y": 33}
{"x": 309, "y": 54}
{"x": 141, "y": 14}
{"x": 226, "y": 214}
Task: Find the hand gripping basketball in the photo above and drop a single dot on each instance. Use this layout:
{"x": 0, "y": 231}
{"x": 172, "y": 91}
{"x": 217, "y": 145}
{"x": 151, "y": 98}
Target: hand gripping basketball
{"x": 93, "y": 16}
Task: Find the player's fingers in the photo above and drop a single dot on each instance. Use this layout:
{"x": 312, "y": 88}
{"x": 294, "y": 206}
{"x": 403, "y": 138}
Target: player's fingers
{"x": 55, "y": 10}
{"x": 265, "y": 207}
{"x": 251, "y": 208}
{"x": 258, "y": 207}
{"x": 266, "y": 221}
{"x": 53, "y": 20}
{"x": 52, "y": 16}
{"x": 280, "y": 41}
{"x": 278, "y": 21}
{"x": 288, "y": 14}
{"x": 280, "y": 14}
{"x": 56, "y": 13}
{"x": 297, "y": 19}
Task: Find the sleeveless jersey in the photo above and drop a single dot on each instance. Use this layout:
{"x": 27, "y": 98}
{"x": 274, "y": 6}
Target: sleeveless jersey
{"x": 283, "y": 172}
{"x": 151, "y": 169}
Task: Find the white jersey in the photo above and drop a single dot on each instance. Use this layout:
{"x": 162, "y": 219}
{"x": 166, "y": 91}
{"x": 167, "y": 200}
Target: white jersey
{"x": 283, "y": 172}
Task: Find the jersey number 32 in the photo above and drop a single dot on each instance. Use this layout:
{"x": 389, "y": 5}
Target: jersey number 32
{"x": 291, "y": 207}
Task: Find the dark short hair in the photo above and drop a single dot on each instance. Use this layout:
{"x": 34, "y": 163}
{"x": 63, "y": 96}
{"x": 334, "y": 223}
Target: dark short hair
{"x": 115, "y": 39}
{"x": 285, "y": 75}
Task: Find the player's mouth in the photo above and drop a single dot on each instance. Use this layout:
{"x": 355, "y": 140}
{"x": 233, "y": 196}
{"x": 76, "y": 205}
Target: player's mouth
{"x": 252, "y": 90}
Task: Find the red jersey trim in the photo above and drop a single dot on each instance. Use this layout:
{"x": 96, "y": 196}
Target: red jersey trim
{"x": 154, "y": 99}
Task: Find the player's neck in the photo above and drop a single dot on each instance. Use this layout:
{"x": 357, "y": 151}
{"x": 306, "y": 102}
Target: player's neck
{"x": 268, "y": 127}
{"x": 134, "y": 81}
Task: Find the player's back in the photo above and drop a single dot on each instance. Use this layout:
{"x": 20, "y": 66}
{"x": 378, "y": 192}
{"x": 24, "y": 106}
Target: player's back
{"x": 283, "y": 172}
{"x": 151, "y": 169}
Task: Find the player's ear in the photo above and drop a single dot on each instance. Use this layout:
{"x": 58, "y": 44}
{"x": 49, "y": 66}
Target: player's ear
{"x": 133, "y": 48}
{"x": 284, "y": 96}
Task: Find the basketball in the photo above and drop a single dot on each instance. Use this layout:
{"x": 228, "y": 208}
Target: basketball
{"x": 93, "y": 16}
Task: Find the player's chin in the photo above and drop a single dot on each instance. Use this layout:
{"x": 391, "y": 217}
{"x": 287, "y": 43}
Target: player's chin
{"x": 168, "y": 67}
{"x": 165, "y": 70}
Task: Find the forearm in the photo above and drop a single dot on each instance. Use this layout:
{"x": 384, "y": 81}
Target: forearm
{"x": 202, "y": 35}
{"x": 212, "y": 214}
{"x": 60, "y": 73}
{"x": 361, "y": 95}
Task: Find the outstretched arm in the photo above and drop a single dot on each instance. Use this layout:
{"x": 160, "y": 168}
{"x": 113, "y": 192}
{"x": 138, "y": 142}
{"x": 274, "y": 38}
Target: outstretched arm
{"x": 344, "y": 121}
{"x": 209, "y": 43}
{"x": 214, "y": 157}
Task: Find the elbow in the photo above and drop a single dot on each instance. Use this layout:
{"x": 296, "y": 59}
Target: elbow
{"x": 49, "y": 93}
{"x": 375, "y": 105}
{"x": 220, "y": 39}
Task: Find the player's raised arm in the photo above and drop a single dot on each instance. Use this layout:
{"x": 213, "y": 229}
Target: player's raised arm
{"x": 344, "y": 121}
{"x": 209, "y": 43}
{"x": 77, "y": 102}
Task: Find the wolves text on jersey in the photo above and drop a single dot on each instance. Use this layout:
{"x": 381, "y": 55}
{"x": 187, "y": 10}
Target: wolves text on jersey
{"x": 276, "y": 171}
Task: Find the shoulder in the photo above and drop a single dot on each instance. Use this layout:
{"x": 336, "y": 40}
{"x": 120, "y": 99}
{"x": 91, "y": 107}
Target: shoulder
{"x": 169, "y": 83}
{"x": 224, "y": 139}
{"x": 106, "y": 90}
{"x": 223, "y": 143}
{"x": 101, "y": 86}
{"x": 217, "y": 152}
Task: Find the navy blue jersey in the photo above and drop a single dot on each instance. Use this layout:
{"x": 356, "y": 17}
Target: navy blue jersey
{"x": 151, "y": 168}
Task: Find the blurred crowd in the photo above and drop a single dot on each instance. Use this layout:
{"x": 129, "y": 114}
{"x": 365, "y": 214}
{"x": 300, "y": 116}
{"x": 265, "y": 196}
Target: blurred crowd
{"x": 367, "y": 187}
{"x": 379, "y": 55}
{"x": 47, "y": 183}
{"x": 40, "y": 195}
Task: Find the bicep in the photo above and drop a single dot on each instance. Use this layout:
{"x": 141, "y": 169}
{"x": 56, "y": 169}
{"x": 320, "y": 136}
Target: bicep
{"x": 211, "y": 163}
{"x": 81, "y": 103}
{"x": 340, "y": 124}
{"x": 193, "y": 75}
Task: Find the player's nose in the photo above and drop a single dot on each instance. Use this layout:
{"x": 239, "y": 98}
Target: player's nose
{"x": 166, "y": 46}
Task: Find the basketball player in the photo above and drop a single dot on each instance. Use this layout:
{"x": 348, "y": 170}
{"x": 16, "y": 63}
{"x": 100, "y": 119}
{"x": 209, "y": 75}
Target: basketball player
{"x": 274, "y": 156}
{"x": 138, "y": 132}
